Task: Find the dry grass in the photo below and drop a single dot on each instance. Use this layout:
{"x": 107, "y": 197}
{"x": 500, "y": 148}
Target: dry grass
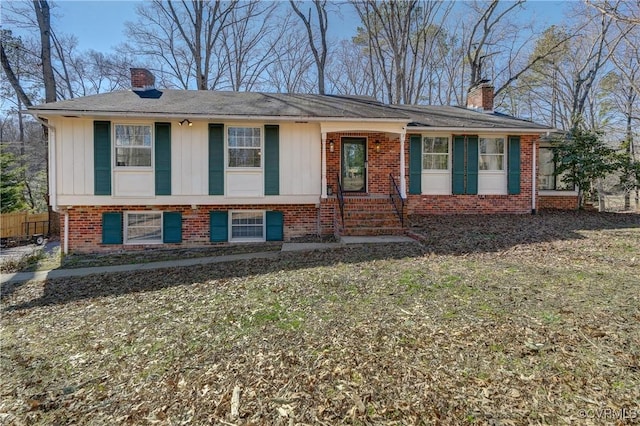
{"x": 492, "y": 320}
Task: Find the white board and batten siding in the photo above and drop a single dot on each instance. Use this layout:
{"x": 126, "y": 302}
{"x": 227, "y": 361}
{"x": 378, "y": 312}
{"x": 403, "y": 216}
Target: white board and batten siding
{"x": 300, "y": 162}
{"x": 189, "y": 159}
{"x": 74, "y": 154}
{"x": 299, "y": 168}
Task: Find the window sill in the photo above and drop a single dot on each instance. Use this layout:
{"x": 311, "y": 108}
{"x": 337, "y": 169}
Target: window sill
{"x": 244, "y": 169}
{"x": 133, "y": 169}
{"x": 142, "y": 243}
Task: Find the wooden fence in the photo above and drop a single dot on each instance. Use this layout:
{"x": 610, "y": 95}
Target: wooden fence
{"x": 615, "y": 203}
{"x": 23, "y": 224}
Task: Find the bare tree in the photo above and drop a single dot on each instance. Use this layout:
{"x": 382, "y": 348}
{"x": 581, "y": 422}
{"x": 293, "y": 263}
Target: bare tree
{"x": 248, "y": 44}
{"x": 290, "y": 70}
{"x": 43, "y": 15}
{"x": 317, "y": 42}
{"x": 483, "y": 34}
{"x": 350, "y": 73}
{"x": 622, "y": 100}
{"x": 495, "y": 51}
{"x": 401, "y": 39}
{"x": 182, "y": 38}
{"x": 6, "y": 42}
{"x": 626, "y": 11}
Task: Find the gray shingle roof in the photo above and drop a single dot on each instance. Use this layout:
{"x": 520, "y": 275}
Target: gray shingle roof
{"x": 221, "y": 104}
{"x": 459, "y": 117}
{"x": 216, "y": 104}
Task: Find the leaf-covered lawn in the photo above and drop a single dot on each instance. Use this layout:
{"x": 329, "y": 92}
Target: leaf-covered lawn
{"x": 490, "y": 320}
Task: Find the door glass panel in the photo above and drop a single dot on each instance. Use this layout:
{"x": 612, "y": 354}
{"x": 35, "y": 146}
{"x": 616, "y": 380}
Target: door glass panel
{"x": 353, "y": 165}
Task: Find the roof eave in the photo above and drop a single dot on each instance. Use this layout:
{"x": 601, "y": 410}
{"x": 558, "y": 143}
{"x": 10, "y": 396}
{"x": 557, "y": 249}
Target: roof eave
{"x": 473, "y": 130}
{"x": 130, "y": 114}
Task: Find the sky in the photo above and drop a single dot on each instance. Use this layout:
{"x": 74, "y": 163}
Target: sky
{"x": 100, "y": 25}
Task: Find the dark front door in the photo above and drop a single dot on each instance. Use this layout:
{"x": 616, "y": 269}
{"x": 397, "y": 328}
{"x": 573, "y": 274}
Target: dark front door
{"x": 354, "y": 164}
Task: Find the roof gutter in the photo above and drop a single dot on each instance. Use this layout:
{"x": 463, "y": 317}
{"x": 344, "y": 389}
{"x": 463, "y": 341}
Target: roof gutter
{"x": 71, "y": 114}
{"x": 475, "y": 130}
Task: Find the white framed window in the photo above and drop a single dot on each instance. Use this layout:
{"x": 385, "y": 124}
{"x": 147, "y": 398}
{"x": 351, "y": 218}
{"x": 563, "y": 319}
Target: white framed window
{"x": 548, "y": 180}
{"x": 143, "y": 228}
{"x": 492, "y": 152}
{"x": 247, "y": 226}
{"x": 133, "y": 145}
{"x": 244, "y": 147}
{"x": 435, "y": 153}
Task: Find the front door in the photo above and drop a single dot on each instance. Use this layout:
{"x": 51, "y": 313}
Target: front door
{"x": 354, "y": 164}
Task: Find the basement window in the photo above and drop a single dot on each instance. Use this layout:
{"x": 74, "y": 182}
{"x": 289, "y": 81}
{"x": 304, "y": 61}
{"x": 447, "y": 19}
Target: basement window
{"x": 247, "y": 226}
{"x": 143, "y": 228}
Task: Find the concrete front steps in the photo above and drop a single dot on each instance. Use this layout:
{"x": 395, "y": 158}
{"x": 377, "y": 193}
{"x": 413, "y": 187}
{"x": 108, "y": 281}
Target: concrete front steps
{"x": 366, "y": 216}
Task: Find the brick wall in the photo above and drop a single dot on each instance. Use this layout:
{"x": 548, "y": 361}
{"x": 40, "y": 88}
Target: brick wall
{"x": 479, "y": 204}
{"x": 382, "y": 161}
{"x": 85, "y": 224}
{"x": 468, "y": 204}
{"x": 328, "y": 212}
{"x": 555, "y": 202}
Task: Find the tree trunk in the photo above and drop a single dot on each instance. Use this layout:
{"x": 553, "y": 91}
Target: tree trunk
{"x": 601, "y": 202}
{"x": 12, "y": 78}
{"x": 44, "y": 23}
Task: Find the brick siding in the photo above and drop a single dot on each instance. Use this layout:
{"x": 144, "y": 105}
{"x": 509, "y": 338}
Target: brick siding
{"x": 480, "y": 204}
{"x": 382, "y": 161}
{"x": 558, "y": 202}
{"x": 85, "y": 224}
{"x": 323, "y": 219}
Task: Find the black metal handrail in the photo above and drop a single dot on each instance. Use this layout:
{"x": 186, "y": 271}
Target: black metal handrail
{"x": 396, "y": 198}
{"x": 341, "y": 199}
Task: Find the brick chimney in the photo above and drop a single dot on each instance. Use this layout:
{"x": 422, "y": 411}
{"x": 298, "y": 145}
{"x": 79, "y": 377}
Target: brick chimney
{"x": 142, "y": 79}
{"x": 143, "y": 83}
{"x": 480, "y": 96}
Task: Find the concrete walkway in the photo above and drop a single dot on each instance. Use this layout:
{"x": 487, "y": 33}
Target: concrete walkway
{"x": 286, "y": 247}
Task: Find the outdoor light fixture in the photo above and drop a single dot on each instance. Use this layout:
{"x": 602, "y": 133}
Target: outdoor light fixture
{"x": 186, "y": 120}
{"x": 377, "y": 145}
{"x": 331, "y": 146}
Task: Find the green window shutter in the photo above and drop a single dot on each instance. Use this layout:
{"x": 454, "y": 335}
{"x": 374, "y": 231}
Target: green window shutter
{"x": 415, "y": 164}
{"x": 513, "y": 182}
{"x": 275, "y": 226}
{"x": 216, "y": 159}
{"x": 111, "y": 228}
{"x": 218, "y": 226}
{"x": 163, "y": 158}
{"x": 458, "y": 172}
{"x": 472, "y": 165}
{"x": 271, "y": 160}
{"x": 102, "y": 157}
{"x": 172, "y": 227}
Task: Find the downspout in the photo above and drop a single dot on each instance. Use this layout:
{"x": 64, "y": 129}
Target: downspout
{"x": 323, "y": 180}
{"x": 403, "y": 179}
{"x": 534, "y": 177}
